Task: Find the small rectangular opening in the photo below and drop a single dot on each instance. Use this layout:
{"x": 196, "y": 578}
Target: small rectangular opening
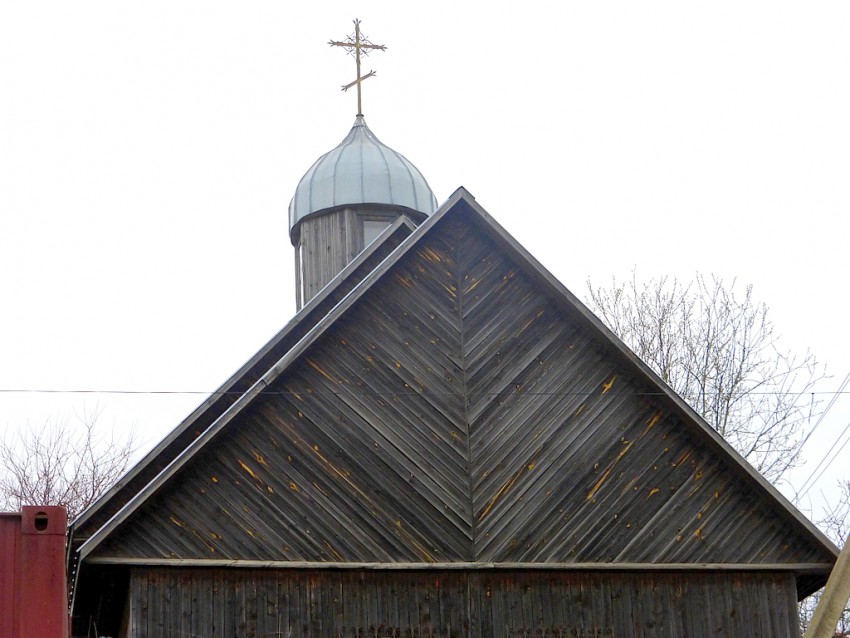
{"x": 372, "y": 228}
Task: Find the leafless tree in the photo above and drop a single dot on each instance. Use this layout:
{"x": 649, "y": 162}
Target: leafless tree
{"x": 64, "y": 462}
{"x": 721, "y": 354}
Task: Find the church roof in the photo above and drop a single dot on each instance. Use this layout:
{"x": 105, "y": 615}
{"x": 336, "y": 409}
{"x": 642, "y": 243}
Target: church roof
{"x": 451, "y": 403}
{"x": 361, "y": 170}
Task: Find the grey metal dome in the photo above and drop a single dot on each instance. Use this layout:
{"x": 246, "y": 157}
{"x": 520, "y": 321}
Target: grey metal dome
{"x": 361, "y": 170}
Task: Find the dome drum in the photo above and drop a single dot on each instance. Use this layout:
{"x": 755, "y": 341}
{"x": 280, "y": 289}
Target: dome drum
{"x": 344, "y": 201}
{"x": 364, "y": 212}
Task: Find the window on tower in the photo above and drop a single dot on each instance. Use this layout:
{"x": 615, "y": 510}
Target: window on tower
{"x": 372, "y": 228}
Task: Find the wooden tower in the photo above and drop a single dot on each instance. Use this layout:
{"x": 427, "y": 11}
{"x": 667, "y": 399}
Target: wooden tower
{"x": 343, "y": 203}
{"x": 351, "y": 194}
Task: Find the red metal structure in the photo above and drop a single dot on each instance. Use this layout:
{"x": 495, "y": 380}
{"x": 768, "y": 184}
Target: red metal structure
{"x": 33, "y": 594}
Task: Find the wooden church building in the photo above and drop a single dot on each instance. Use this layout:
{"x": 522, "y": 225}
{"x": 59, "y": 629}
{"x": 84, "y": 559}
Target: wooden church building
{"x": 442, "y": 442}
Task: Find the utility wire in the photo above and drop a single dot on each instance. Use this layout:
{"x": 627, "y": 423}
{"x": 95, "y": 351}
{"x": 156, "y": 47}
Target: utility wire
{"x": 806, "y": 485}
{"x": 833, "y": 393}
{"x": 827, "y": 408}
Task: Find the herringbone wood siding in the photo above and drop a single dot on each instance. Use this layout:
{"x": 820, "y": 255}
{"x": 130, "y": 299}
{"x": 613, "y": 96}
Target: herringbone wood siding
{"x": 458, "y": 411}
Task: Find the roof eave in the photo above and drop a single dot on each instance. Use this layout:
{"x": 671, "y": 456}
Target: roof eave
{"x": 401, "y": 227}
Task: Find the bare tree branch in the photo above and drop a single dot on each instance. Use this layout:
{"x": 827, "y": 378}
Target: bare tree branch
{"x": 65, "y": 462}
{"x": 721, "y": 354}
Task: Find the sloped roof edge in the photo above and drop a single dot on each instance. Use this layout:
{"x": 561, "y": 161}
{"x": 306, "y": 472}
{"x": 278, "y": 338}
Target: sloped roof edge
{"x": 272, "y": 373}
{"x": 460, "y": 200}
{"x": 510, "y": 244}
{"x": 313, "y": 311}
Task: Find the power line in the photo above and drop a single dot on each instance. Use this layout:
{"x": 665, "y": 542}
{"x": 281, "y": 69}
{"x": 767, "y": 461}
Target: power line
{"x": 827, "y": 408}
{"x": 805, "y": 489}
{"x": 833, "y": 393}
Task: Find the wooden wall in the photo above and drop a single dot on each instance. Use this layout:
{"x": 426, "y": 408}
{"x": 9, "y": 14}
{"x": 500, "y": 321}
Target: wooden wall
{"x": 459, "y": 412}
{"x": 327, "y": 242}
{"x": 219, "y": 603}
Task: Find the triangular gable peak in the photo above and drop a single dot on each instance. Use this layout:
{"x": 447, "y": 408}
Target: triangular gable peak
{"x": 460, "y": 406}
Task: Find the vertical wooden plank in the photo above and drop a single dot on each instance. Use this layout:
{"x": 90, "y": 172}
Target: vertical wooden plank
{"x": 490, "y": 603}
{"x": 196, "y": 595}
{"x": 371, "y": 605}
{"x": 218, "y": 602}
{"x": 515, "y": 610}
{"x": 548, "y": 603}
{"x": 353, "y": 236}
{"x": 603, "y": 588}
{"x": 561, "y": 602}
{"x": 678, "y": 609}
{"x": 182, "y": 619}
{"x": 336, "y": 599}
{"x": 422, "y": 594}
{"x": 715, "y": 606}
{"x": 458, "y": 604}
{"x": 380, "y": 617}
{"x": 472, "y": 611}
{"x": 329, "y": 612}
{"x": 154, "y": 605}
{"x": 229, "y": 592}
{"x": 736, "y": 596}
{"x": 131, "y": 605}
{"x": 620, "y": 605}
{"x": 299, "y": 299}
{"x": 788, "y": 601}
{"x": 351, "y": 606}
{"x": 265, "y": 587}
{"x": 237, "y": 589}
{"x": 583, "y": 616}
{"x": 317, "y": 609}
{"x": 686, "y": 604}
{"x": 298, "y": 603}
{"x": 283, "y": 608}
{"x": 661, "y": 605}
{"x": 406, "y": 616}
{"x": 137, "y": 599}
{"x": 393, "y": 615}
{"x": 535, "y": 603}
{"x": 645, "y": 607}
{"x": 251, "y": 601}
{"x": 565, "y": 603}
{"x": 148, "y": 591}
{"x": 443, "y": 601}
{"x": 597, "y": 604}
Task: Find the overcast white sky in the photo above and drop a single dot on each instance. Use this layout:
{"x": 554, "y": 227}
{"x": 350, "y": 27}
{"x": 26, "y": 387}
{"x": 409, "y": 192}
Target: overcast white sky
{"x": 149, "y": 150}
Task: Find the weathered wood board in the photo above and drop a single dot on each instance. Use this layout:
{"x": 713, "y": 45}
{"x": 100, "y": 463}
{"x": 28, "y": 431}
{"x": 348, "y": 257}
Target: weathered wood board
{"x": 215, "y": 603}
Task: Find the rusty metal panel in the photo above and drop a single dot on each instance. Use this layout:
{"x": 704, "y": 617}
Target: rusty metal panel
{"x": 33, "y": 601}
{"x": 398, "y": 604}
{"x": 10, "y": 533}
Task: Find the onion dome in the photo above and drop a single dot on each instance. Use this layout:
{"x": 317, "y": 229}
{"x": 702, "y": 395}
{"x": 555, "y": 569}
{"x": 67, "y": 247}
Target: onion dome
{"x": 361, "y": 170}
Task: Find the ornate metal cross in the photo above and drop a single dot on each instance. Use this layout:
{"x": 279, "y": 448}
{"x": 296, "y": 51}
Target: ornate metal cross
{"x": 358, "y": 45}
